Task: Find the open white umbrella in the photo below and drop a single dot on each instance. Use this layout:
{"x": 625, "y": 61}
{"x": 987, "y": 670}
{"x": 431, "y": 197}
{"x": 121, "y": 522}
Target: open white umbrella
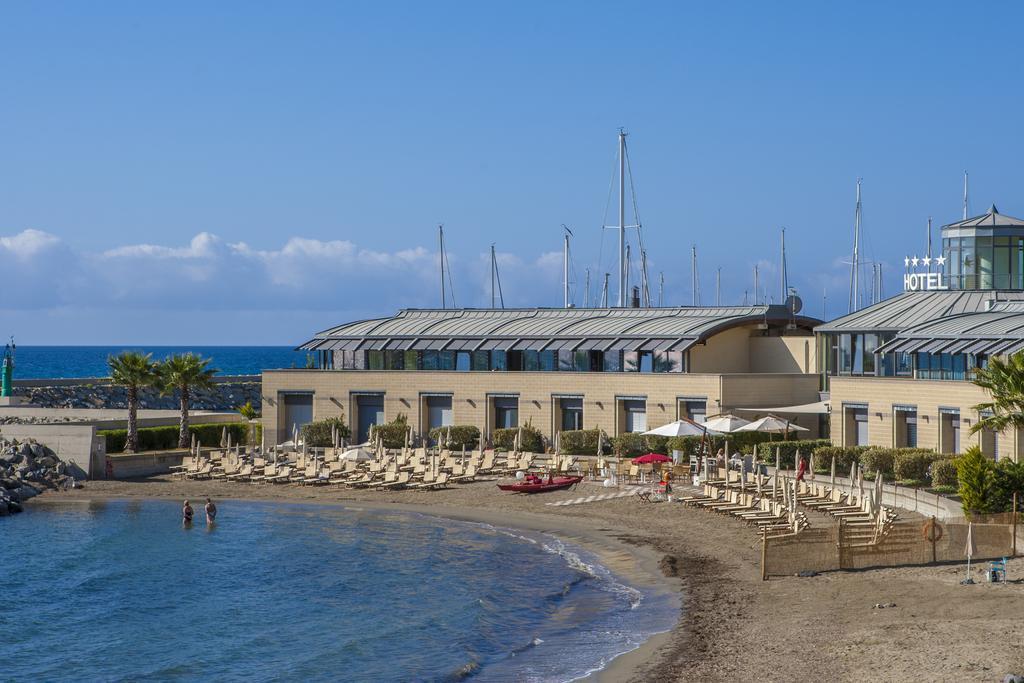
{"x": 770, "y": 424}
{"x": 970, "y": 550}
{"x": 725, "y": 424}
{"x": 678, "y": 428}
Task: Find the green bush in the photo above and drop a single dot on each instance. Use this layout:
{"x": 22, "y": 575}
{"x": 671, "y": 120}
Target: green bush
{"x": 393, "y": 433}
{"x": 912, "y": 463}
{"x": 166, "y": 438}
{"x": 976, "y": 476}
{"x": 845, "y": 457}
{"x": 874, "y": 460}
{"x": 583, "y": 442}
{"x": 462, "y": 436}
{"x": 787, "y": 451}
{"x": 944, "y": 472}
{"x": 1009, "y": 479}
{"x": 318, "y": 434}
{"x": 533, "y": 440}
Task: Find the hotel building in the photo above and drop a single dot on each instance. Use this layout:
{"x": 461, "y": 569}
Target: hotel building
{"x": 899, "y": 372}
{"x": 620, "y": 369}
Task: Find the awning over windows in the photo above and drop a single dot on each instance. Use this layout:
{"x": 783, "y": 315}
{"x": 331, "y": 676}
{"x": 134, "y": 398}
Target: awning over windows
{"x": 818, "y": 408}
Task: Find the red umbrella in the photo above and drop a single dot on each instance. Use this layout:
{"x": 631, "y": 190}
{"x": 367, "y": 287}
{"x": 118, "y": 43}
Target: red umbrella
{"x": 651, "y": 457}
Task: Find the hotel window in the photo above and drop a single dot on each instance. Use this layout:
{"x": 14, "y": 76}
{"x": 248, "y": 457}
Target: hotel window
{"x": 411, "y": 360}
{"x": 905, "y": 425}
{"x": 439, "y": 411}
{"x": 548, "y": 361}
{"x": 694, "y": 409}
{"x": 375, "y": 360}
{"x": 968, "y": 264}
{"x": 499, "y": 360}
{"x": 646, "y": 359}
{"x": 480, "y": 361}
{"x": 514, "y": 359}
{"x": 531, "y": 361}
{"x": 298, "y": 411}
{"x": 572, "y": 413}
{"x": 855, "y": 425}
{"x": 394, "y": 360}
{"x": 463, "y": 361}
{"x": 630, "y": 362}
{"x": 983, "y": 252}
{"x": 612, "y": 361}
{"x": 565, "y": 361}
{"x": 634, "y": 412}
{"x": 1002, "y": 258}
{"x": 949, "y": 430}
{"x": 845, "y": 354}
{"x": 506, "y": 412}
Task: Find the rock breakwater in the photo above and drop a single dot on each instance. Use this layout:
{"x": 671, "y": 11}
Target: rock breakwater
{"x": 26, "y": 470}
{"x": 100, "y": 394}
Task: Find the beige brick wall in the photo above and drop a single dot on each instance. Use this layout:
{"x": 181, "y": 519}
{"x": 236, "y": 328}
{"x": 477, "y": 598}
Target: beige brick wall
{"x": 333, "y": 394}
{"x": 882, "y": 393}
{"x": 727, "y": 351}
{"x": 783, "y": 354}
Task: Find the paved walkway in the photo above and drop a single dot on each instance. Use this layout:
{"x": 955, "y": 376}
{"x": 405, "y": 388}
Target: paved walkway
{"x": 628, "y": 491}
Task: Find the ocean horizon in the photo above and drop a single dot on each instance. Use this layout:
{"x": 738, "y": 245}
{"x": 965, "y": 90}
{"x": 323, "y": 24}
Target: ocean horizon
{"x": 79, "y": 362}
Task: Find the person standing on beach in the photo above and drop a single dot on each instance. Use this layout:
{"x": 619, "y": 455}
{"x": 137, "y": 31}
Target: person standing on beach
{"x": 211, "y": 512}
{"x": 186, "y": 514}
{"x": 802, "y": 469}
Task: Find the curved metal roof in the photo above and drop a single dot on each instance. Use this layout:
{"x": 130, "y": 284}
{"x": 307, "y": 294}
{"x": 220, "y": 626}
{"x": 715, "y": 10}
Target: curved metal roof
{"x": 910, "y": 309}
{"x": 996, "y": 331}
{"x": 660, "y": 328}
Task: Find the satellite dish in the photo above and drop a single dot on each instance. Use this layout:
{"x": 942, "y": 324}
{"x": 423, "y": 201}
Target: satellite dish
{"x": 794, "y": 304}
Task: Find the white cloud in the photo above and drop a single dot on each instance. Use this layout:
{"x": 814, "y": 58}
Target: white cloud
{"x": 28, "y": 243}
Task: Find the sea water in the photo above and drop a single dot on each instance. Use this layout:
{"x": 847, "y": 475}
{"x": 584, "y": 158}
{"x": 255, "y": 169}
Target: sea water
{"x": 48, "y": 362}
{"x": 121, "y": 590}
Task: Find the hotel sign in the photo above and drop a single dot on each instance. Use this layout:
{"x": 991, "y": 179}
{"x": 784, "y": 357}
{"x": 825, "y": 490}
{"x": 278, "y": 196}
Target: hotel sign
{"x": 914, "y": 281}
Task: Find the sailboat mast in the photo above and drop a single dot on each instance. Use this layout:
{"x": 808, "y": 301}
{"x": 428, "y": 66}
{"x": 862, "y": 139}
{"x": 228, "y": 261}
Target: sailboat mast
{"x": 661, "y": 289}
{"x": 785, "y": 274}
{"x": 693, "y": 272}
{"x": 718, "y": 286}
{"x": 644, "y": 284}
{"x": 623, "y": 264}
{"x": 757, "y": 284}
{"x": 965, "y": 195}
{"x": 492, "y": 276}
{"x": 440, "y": 252}
{"x": 565, "y": 269}
{"x": 855, "y": 295}
{"x": 928, "y": 249}
{"x": 604, "y": 291}
{"x": 586, "y": 291}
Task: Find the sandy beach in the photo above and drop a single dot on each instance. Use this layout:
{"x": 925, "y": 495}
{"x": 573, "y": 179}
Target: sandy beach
{"x": 733, "y": 626}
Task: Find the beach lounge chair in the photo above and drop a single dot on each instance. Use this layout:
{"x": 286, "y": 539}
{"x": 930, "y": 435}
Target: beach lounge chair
{"x": 186, "y": 465}
{"x": 205, "y": 471}
{"x": 243, "y": 473}
{"x": 401, "y": 482}
{"x": 281, "y": 477}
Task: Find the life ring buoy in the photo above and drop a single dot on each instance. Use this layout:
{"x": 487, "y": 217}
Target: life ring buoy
{"x": 932, "y": 531}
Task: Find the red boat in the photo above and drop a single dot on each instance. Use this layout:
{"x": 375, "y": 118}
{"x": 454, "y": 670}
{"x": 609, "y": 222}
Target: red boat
{"x": 537, "y": 485}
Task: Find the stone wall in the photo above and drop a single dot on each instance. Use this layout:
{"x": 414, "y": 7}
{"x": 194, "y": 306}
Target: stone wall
{"x": 227, "y": 394}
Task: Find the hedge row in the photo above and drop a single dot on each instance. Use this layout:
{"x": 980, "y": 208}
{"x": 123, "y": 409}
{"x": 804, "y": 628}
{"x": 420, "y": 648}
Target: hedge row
{"x": 533, "y": 440}
{"x": 318, "y": 434}
{"x": 583, "y": 442}
{"x": 944, "y": 472}
{"x": 166, "y": 438}
{"x": 462, "y": 436}
{"x": 393, "y": 433}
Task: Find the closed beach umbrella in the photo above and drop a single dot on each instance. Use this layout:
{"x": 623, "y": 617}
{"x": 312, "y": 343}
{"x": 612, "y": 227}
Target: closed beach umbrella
{"x": 482, "y": 444}
{"x": 224, "y": 437}
{"x": 811, "y": 465}
{"x": 519, "y": 439}
{"x": 970, "y": 550}
{"x": 448, "y": 438}
{"x": 853, "y": 477}
{"x": 600, "y": 443}
{"x": 832, "y": 479}
{"x": 263, "y": 443}
{"x": 229, "y": 441}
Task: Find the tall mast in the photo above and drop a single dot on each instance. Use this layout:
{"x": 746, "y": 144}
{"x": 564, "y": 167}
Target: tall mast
{"x": 757, "y": 284}
{"x": 625, "y": 280}
{"x": 493, "y": 264}
{"x": 440, "y": 251}
{"x": 965, "y": 195}
{"x": 693, "y": 274}
{"x": 661, "y": 289}
{"x": 718, "y": 286}
{"x": 604, "y": 291}
{"x": 645, "y": 288}
{"x": 586, "y": 291}
{"x": 928, "y": 249}
{"x": 623, "y": 264}
{"x": 565, "y": 267}
{"x": 855, "y": 295}
{"x": 785, "y": 274}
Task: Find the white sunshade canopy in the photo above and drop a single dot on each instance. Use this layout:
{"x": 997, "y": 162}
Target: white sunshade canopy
{"x": 682, "y": 427}
{"x": 772, "y": 425}
{"x": 356, "y": 455}
{"x": 818, "y": 408}
{"x": 727, "y": 424}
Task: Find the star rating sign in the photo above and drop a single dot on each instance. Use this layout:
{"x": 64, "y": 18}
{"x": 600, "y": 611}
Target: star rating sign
{"x": 906, "y": 262}
{"x": 940, "y": 260}
{"x": 914, "y": 261}
{"x": 927, "y": 260}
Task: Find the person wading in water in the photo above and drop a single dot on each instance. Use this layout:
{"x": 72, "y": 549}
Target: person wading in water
{"x": 211, "y": 512}
{"x": 186, "y": 514}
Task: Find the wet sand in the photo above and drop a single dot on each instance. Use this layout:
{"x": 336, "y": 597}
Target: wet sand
{"x": 733, "y": 626}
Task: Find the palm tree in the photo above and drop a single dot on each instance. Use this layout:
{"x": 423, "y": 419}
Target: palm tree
{"x": 1004, "y": 381}
{"x": 132, "y": 370}
{"x": 249, "y": 413}
{"x": 183, "y": 373}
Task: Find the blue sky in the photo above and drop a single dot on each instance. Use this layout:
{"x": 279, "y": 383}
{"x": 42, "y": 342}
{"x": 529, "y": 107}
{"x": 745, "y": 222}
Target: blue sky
{"x": 252, "y": 172}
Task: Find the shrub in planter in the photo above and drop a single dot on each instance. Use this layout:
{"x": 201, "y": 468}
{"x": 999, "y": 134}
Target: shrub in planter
{"x": 944, "y": 472}
{"x": 166, "y": 438}
{"x": 874, "y": 460}
{"x": 318, "y": 434}
{"x": 912, "y": 463}
{"x": 583, "y": 442}
{"x": 845, "y": 457}
{"x": 462, "y": 436}
{"x": 629, "y": 445}
{"x": 533, "y": 440}
{"x": 787, "y": 451}
{"x": 393, "y": 433}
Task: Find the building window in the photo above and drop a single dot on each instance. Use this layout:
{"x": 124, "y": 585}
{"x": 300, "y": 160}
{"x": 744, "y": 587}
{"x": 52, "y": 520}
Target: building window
{"x": 572, "y": 413}
{"x": 506, "y": 413}
{"x": 855, "y": 431}
{"x": 481, "y": 362}
{"x": 905, "y": 425}
{"x": 499, "y": 360}
{"x": 630, "y": 362}
{"x": 695, "y": 409}
{"x": 949, "y": 430}
{"x": 548, "y": 361}
{"x": 411, "y": 360}
{"x": 298, "y": 412}
{"x": 369, "y": 412}
{"x": 612, "y": 361}
{"x": 439, "y": 412}
{"x": 463, "y": 361}
{"x": 375, "y": 360}
{"x": 634, "y": 413}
